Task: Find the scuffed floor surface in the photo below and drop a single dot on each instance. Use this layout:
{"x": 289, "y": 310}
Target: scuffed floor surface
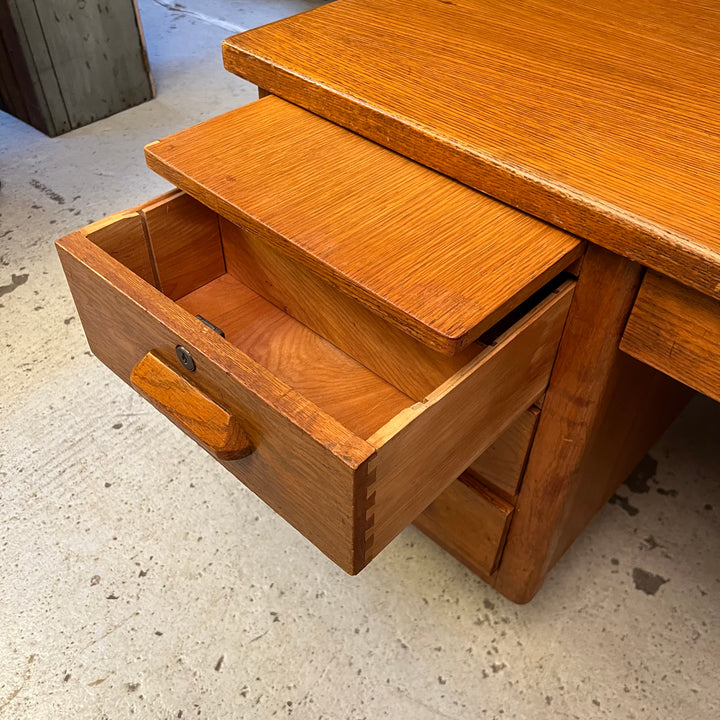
{"x": 140, "y": 579}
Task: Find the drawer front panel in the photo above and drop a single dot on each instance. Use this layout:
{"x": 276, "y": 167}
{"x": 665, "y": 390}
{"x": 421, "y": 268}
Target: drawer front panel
{"x": 501, "y": 465}
{"x": 676, "y": 330}
{"x": 308, "y": 468}
{"x": 470, "y": 522}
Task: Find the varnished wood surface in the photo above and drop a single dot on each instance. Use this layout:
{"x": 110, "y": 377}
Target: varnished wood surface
{"x": 439, "y": 260}
{"x": 404, "y": 362}
{"x": 601, "y": 414}
{"x": 415, "y": 459}
{"x": 349, "y": 495}
{"x": 424, "y": 448}
{"x": 123, "y": 237}
{"x": 600, "y": 117}
{"x": 676, "y": 330}
{"x": 470, "y": 522}
{"x": 211, "y": 425}
{"x": 501, "y": 466}
{"x": 305, "y": 465}
{"x": 310, "y": 365}
{"x": 184, "y": 242}
{"x": 638, "y": 405}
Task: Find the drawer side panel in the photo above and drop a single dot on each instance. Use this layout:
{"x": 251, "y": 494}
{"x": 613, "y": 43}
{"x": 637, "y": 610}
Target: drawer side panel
{"x": 429, "y": 445}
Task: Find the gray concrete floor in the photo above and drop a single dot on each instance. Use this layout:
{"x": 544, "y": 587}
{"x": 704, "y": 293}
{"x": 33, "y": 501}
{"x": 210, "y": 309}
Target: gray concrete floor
{"x": 138, "y": 578}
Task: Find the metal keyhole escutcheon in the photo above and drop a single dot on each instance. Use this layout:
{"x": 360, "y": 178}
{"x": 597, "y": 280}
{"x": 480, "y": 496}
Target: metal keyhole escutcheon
{"x": 185, "y": 358}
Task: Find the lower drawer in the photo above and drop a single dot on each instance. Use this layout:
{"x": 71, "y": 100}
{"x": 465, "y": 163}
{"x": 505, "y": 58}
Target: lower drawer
{"x": 501, "y": 466}
{"x": 470, "y": 522}
{"x": 342, "y": 454}
{"x": 471, "y": 518}
{"x": 676, "y": 330}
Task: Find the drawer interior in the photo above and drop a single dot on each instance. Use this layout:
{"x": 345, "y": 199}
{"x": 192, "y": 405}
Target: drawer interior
{"x": 334, "y": 446}
{"x": 308, "y": 363}
{"x": 181, "y": 247}
{"x": 209, "y": 267}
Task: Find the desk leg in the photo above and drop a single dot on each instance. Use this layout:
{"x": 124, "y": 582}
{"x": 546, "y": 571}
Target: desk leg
{"x": 602, "y": 412}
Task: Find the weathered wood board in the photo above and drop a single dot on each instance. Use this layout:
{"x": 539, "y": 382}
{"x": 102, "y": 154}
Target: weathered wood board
{"x": 67, "y": 63}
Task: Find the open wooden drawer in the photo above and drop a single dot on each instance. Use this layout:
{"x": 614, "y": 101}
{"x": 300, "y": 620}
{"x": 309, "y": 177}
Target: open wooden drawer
{"x": 338, "y": 451}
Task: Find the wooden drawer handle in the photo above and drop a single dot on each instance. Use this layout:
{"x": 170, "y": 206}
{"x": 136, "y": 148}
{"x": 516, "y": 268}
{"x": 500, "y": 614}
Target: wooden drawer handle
{"x": 211, "y": 425}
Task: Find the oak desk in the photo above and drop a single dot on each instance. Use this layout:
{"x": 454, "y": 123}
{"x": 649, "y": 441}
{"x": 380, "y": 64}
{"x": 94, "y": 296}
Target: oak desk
{"x": 366, "y": 342}
{"x": 601, "y": 119}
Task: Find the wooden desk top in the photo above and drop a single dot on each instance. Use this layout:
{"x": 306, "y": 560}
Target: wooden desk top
{"x": 600, "y": 117}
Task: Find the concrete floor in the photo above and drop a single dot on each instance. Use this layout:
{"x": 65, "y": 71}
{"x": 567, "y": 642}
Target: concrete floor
{"x": 138, "y": 578}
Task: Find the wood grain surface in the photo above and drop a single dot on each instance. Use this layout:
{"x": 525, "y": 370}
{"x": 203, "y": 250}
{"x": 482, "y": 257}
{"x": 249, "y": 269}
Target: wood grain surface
{"x": 424, "y": 448}
{"x": 123, "y": 237}
{"x": 421, "y": 445}
{"x": 600, "y": 117}
{"x": 211, "y": 425}
{"x": 501, "y": 466}
{"x": 409, "y": 365}
{"x": 470, "y": 522}
{"x": 677, "y": 330}
{"x": 21, "y": 93}
{"x": 601, "y": 414}
{"x": 347, "y": 494}
{"x": 312, "y": 366}
{"x": 82, "y": 61}
{"x": 305, "y": 465}
{"x": 184, "y": 242}
{"x": 439, "y": 260}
